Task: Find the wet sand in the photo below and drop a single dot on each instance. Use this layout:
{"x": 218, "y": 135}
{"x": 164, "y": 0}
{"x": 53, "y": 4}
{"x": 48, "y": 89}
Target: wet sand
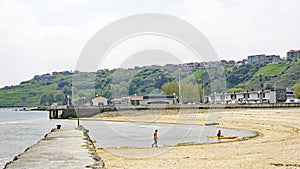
{"x": 277, "y": 146}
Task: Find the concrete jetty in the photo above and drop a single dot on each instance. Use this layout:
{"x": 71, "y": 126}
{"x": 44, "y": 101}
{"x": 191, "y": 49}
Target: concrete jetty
{"x": 67, "y": 147}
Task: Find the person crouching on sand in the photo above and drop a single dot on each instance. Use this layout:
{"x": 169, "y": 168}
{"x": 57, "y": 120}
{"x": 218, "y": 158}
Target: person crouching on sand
{"x": 219, "y": 133}
{"x": 155, "y": 138}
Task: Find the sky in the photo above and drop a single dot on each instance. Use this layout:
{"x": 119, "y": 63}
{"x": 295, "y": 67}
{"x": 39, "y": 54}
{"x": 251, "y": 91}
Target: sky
{"x": 38, "y": 37}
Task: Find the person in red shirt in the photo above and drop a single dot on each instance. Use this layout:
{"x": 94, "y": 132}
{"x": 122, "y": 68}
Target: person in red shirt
{"x": 155, "y": 138}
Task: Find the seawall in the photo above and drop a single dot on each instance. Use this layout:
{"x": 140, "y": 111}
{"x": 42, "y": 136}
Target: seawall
{"x": 67, "y": 147}
{"x": 88, "y": 111}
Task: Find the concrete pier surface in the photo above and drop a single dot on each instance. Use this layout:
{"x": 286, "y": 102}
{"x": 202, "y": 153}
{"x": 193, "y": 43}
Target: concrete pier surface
{"x": 67, "y": 147}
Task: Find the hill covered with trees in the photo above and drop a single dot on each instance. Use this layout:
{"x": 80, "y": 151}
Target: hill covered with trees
{"x": 58, "y": 87}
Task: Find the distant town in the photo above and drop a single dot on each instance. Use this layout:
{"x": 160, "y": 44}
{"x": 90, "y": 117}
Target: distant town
{"x": 252, "y": 59}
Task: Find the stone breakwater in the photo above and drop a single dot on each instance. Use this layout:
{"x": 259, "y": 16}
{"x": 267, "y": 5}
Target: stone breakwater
{"x": 67, "y": 147}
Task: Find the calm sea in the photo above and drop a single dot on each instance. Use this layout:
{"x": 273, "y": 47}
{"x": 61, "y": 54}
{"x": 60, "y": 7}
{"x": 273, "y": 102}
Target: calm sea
{"x": 21, "y": 129}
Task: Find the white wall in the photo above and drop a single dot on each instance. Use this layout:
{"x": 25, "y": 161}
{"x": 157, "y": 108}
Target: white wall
{"x": 272, "y": 97}
{"x": 99, "y": 102}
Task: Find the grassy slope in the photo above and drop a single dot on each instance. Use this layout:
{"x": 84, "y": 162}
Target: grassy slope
{"x": 30, "y": 92}
{"x": 275, "y": 75}
{"x": 271, "y": 70}
{"x": 195, "y": 75}
{"x": 290, "y": 77}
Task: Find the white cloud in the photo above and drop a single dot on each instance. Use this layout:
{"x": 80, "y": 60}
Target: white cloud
{"x": 240, "y": 28}
{"x": 45, "y": 36}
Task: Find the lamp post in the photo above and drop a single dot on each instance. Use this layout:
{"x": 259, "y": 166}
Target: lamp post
{"x": 68, "y": 100}
{"x": 260, "y": 93}
{"x": 174, "y": 100}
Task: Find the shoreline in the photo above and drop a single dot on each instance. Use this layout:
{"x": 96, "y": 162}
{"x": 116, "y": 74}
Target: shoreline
{"x": 240, "y": 133}
{"x": 275, "y": 146}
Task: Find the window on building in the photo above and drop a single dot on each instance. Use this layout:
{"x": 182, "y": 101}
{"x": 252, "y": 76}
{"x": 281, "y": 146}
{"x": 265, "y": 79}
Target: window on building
{"x": 246, "y": 96}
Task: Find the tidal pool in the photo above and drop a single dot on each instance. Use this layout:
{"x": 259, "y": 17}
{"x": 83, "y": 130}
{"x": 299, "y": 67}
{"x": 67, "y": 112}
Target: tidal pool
{"x": 132, "y": 134}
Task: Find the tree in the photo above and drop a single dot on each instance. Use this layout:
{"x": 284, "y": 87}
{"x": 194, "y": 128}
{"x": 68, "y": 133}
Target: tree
{"x": 50, "y": 99}
{"x": 188, "y": 91}
{"x": 170, "y": 88}
{"x": 147, "y": 80}
{"x": 191, "y": 92}
{"x": 296, "y": 89}
{"x": 67, "y": 90}
{"x": 43, "y": 100}
{"x": 60, "y": 98}
{"x": 24, "y": 99}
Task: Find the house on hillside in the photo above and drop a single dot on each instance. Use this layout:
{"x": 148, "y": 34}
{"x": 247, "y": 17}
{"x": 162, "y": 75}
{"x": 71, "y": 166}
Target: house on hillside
{"x": 99, "y": 101}
{"x": 293, "y": 54}
{"x": 257, "y": 59}
{"x": 274, "y": 59}
{"x": 264, "y": 59}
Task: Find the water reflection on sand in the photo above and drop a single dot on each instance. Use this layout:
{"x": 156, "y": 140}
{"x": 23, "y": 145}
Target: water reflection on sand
{"x": 132, "y": 134}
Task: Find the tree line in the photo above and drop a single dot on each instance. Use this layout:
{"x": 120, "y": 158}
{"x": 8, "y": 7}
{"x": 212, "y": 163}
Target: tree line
{"x": 49, "y": 99}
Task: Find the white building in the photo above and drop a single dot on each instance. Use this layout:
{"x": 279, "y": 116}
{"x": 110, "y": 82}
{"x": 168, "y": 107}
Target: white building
{"x": 129, "y": 100}
{"x": 159, "y": 99}
{"x": 99, "y": 101}
{"x": 264, "y": 96}
{"x": 146, "y": 100}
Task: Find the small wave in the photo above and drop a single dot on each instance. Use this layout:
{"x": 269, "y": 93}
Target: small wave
{"x": 13, "y": 122}
{"x": 20, "y": 121}
{"x": 3, "y": 161}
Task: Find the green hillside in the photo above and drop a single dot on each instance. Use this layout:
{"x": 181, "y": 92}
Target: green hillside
{"x": 30, "y": 92}
{"x": 289, "y": 77}
{"x": 45, "y": 89}
{"x": 274, "y": 76}
{"x": 271, "y": 70}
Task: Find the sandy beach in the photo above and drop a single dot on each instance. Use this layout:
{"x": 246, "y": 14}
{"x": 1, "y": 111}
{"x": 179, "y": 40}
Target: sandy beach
{"x": 277, "y": 146}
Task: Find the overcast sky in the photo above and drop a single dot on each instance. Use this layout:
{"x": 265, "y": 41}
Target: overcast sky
{"x": 42, "y": 36}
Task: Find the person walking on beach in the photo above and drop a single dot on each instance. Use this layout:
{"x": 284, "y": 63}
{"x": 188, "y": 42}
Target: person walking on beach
{"x": 155, "y": 138}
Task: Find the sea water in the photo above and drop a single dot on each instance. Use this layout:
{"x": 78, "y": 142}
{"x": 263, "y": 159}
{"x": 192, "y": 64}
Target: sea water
{"x": 21, "y": 129}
